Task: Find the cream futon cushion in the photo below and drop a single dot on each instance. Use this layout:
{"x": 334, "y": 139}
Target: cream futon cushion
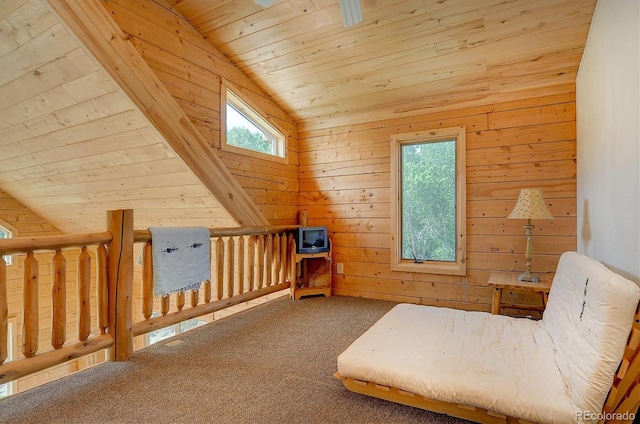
{"x": 589, "y": 316}
{"x": 543, "y": 371}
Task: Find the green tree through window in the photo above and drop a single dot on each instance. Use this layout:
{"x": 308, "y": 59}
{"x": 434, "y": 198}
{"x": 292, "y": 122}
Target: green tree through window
{"x": 243, "y": 137}
{"x": 429, "y": 201}
{"x": 246, "y": 131}
{"x": 428, "y": 219}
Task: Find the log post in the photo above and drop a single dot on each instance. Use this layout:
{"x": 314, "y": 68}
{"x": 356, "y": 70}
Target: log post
{"x": 219, "y": 261}
{"x": 251, "y": 254}
{"x": 275, "y": 270}
{"x": 120, "y": 275}
{"x": 4, "y": 313}
{"x": 84, "y": 295}
{"x": 103, "y": 290}
{"x": 240, "y": 265}
{"x": 59, "y": 299}
{"x": 268, "y": 260}
{"x": 229, "y": 265}
{"x": 30, "y": 324}
{"x": 259, "y": 260}
{"x": 283, "y": 258}
{"x": 147, "y": 280}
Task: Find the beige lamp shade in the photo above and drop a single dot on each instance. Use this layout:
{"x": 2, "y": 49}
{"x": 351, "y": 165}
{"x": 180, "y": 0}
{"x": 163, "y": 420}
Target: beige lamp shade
{"x": 530, "y": 205}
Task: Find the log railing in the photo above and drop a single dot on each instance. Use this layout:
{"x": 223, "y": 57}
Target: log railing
{"x": 59, "y": 350}
{"x": 247, "y": 263}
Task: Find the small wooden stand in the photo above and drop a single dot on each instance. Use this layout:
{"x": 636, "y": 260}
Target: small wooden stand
{"x": 313, "y": 274}
{"x": 500, "y": 281}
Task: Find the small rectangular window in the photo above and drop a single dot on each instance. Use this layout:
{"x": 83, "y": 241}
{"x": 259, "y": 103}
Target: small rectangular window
{"x": 6, "y": 233}
{"x": 428, "y": 230}
{"x": 246, "y": 131}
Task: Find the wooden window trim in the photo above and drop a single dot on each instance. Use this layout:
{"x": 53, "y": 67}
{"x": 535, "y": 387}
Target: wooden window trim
{"x": 14, "y": 233}
{"x": 458, "y": 267}
{"x": 253, "y": 113}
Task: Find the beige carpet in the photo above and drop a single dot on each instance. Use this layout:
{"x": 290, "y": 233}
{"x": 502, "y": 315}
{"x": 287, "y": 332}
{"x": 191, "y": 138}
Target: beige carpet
{"x": 270, "y": 364}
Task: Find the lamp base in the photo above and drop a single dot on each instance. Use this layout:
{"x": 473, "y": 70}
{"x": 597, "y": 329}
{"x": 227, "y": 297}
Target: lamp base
{"x": 529, "y": 277}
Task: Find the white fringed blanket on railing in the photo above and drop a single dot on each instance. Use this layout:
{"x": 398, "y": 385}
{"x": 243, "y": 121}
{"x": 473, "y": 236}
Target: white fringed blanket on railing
{"x": 181, "y": 258}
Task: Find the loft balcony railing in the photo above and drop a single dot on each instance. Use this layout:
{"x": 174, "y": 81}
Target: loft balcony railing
{"x": 107, "y": 311}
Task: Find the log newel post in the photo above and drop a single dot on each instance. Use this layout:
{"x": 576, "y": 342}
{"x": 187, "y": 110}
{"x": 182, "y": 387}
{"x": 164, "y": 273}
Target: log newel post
{"x": 120, "y": 283}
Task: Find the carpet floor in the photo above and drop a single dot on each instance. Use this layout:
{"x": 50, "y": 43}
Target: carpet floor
{"x": 270, "y": 364}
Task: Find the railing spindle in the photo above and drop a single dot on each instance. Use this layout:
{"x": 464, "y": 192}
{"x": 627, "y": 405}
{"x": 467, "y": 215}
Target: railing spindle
{"x": 259, "y": 260}
{"x": 219, "y": 261}
{"x": 4, "y": 313}
{"x": 239, "y": 260}
{"x": 268, "y": 262}
{"x": 165, "y": 303}
{"x": 275, "y": 270}
{"x": 228, "y": 265}
{"x": 30, "y": 325}
{"x": 195, "y": 298}
{"x": 84, "y": 295}
{"x": 283, "y": 258}
{"x": 59, "y": 299}
{"x": 180, "y": 300}
{"x": 292, "y": 259}
{"x": 147, "y": 280}
{"x": 251, "y": 255}
{"x": 207, "y": 291}
{"x": 103, "y": 290}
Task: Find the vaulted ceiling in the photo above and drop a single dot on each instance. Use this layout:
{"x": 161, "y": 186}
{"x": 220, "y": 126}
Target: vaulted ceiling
{"x": 73, "y": 143}
{"x": 406, "y": 57}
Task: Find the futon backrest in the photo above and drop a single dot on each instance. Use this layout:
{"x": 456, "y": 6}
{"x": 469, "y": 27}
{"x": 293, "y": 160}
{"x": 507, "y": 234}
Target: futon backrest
{"x": 589, "y": 316}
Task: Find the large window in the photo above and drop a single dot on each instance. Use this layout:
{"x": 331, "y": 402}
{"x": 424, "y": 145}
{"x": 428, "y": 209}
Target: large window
{"x": 246, "y": 131}
{"x": 429, "y": 219}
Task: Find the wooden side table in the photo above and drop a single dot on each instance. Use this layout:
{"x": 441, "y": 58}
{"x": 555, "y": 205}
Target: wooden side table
{"x": 313, "y": 274}
{"x": 509, "y": 280}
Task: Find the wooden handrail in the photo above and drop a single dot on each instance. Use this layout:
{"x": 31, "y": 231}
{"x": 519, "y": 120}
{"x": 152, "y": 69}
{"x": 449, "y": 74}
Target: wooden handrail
{"x": 35, "y": 244}
{"x": 141, "y": 236}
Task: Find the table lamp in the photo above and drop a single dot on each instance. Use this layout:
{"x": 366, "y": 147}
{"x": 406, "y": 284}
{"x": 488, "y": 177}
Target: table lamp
{"x": 530, "y": 205}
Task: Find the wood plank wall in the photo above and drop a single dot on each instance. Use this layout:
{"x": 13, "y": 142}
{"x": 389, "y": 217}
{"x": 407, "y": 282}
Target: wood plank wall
{"x": 26, "y": 222}
{"x": 528, "y": 142}
{"x": 192, "y": 70}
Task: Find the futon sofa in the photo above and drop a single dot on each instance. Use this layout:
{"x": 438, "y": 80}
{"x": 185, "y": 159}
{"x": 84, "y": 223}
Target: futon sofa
{"x": 494, "y": 368}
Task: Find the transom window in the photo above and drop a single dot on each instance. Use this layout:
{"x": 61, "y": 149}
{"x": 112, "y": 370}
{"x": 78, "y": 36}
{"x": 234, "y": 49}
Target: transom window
{"x": 429, "y": 219}
{"x": 246, "y": 131}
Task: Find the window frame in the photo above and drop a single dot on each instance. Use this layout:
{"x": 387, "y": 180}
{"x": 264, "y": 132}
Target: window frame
{"x": 12, "y": 354}
{"x": 252, "y": 113}
{"x": 457, "y": 267}
{"x": 12, "y": 234}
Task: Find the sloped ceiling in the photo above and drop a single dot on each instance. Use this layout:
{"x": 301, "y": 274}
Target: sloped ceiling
{"x": 407, "y": 57}
{"x": 72, "y": 144}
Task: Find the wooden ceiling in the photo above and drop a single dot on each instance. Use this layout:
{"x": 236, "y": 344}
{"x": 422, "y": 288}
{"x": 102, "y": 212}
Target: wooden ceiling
{"x": 406, "y": 57}
{"x": 73, "y": 145}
